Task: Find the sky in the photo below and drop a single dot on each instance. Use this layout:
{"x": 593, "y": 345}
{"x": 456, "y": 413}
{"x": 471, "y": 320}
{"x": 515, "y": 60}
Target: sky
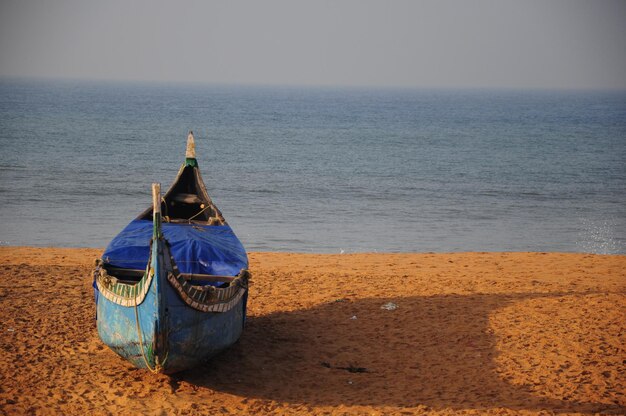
{"x": 444, "y": 43}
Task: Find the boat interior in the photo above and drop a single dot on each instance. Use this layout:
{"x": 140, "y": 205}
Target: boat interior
{"x": 187, "y": 201}
{"x": 132, "y": 276}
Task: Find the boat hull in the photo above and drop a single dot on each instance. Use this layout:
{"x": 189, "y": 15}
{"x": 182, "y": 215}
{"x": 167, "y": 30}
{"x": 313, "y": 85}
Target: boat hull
{"x": 159, "y": 331}
{"x": 191, "y": 336}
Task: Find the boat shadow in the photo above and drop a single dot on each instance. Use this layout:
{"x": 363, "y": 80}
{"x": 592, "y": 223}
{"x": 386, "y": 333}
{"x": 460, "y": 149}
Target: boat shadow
{"x": 432, "y": 351}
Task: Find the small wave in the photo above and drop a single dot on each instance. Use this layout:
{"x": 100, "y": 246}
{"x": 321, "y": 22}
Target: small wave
{"x": 13, "y": 167}
{"x": 287, "y": 240}
{"x": 264, "y": 191}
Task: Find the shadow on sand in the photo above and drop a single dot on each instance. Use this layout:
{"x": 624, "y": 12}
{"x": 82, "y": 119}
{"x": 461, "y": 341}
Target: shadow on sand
{"x": 433, "y": 351}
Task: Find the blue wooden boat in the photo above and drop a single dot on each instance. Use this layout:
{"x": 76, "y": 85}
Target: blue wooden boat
{"x": 171, "y": 288}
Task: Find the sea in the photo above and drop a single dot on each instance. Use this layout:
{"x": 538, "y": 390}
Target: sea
{"x": 320, "y": 169}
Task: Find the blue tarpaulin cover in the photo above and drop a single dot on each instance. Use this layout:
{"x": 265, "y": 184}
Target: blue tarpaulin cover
{"x": 197, "y": 249}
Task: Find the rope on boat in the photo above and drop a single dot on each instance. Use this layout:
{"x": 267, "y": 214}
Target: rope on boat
{"x": 157, "y": 367}
{"x": 165, "y": 217}
{"x": 201, "y": 211}
{"x": 217, "y": 220}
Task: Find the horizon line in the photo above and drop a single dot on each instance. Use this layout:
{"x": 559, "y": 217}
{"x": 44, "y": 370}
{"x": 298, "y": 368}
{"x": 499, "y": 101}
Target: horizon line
{"x": 311, "y": 85}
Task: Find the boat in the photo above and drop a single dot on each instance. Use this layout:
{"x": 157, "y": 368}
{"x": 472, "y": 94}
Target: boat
{"x": 171, "y": 288}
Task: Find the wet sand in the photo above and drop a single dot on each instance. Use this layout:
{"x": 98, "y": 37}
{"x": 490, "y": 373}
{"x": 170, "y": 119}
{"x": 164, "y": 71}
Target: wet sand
{"x": 472, "y": 333}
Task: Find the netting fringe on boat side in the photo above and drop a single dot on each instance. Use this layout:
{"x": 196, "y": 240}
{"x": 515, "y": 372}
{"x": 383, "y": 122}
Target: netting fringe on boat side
{"x": 202, "y": 298}
{"x": 121, "y": 293}
{"x": 207, "y": 298}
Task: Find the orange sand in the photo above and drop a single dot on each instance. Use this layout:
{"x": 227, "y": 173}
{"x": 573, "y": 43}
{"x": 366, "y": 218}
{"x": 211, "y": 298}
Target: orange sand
{"x": 473, "y": 333}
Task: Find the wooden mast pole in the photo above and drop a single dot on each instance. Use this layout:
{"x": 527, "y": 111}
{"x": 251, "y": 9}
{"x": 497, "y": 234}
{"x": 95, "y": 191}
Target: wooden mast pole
{"x": 156, "y": 198}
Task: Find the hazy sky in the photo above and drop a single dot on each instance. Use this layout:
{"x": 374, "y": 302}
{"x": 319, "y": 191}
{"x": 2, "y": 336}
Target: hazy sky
{"x": 480, "y": 43}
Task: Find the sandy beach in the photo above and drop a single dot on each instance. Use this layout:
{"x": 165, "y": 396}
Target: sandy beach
{"x": 471, "y": 333}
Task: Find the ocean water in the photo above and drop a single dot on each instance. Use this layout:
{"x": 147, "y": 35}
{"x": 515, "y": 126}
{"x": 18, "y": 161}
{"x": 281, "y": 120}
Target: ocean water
{"x": 320, "y": 169}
